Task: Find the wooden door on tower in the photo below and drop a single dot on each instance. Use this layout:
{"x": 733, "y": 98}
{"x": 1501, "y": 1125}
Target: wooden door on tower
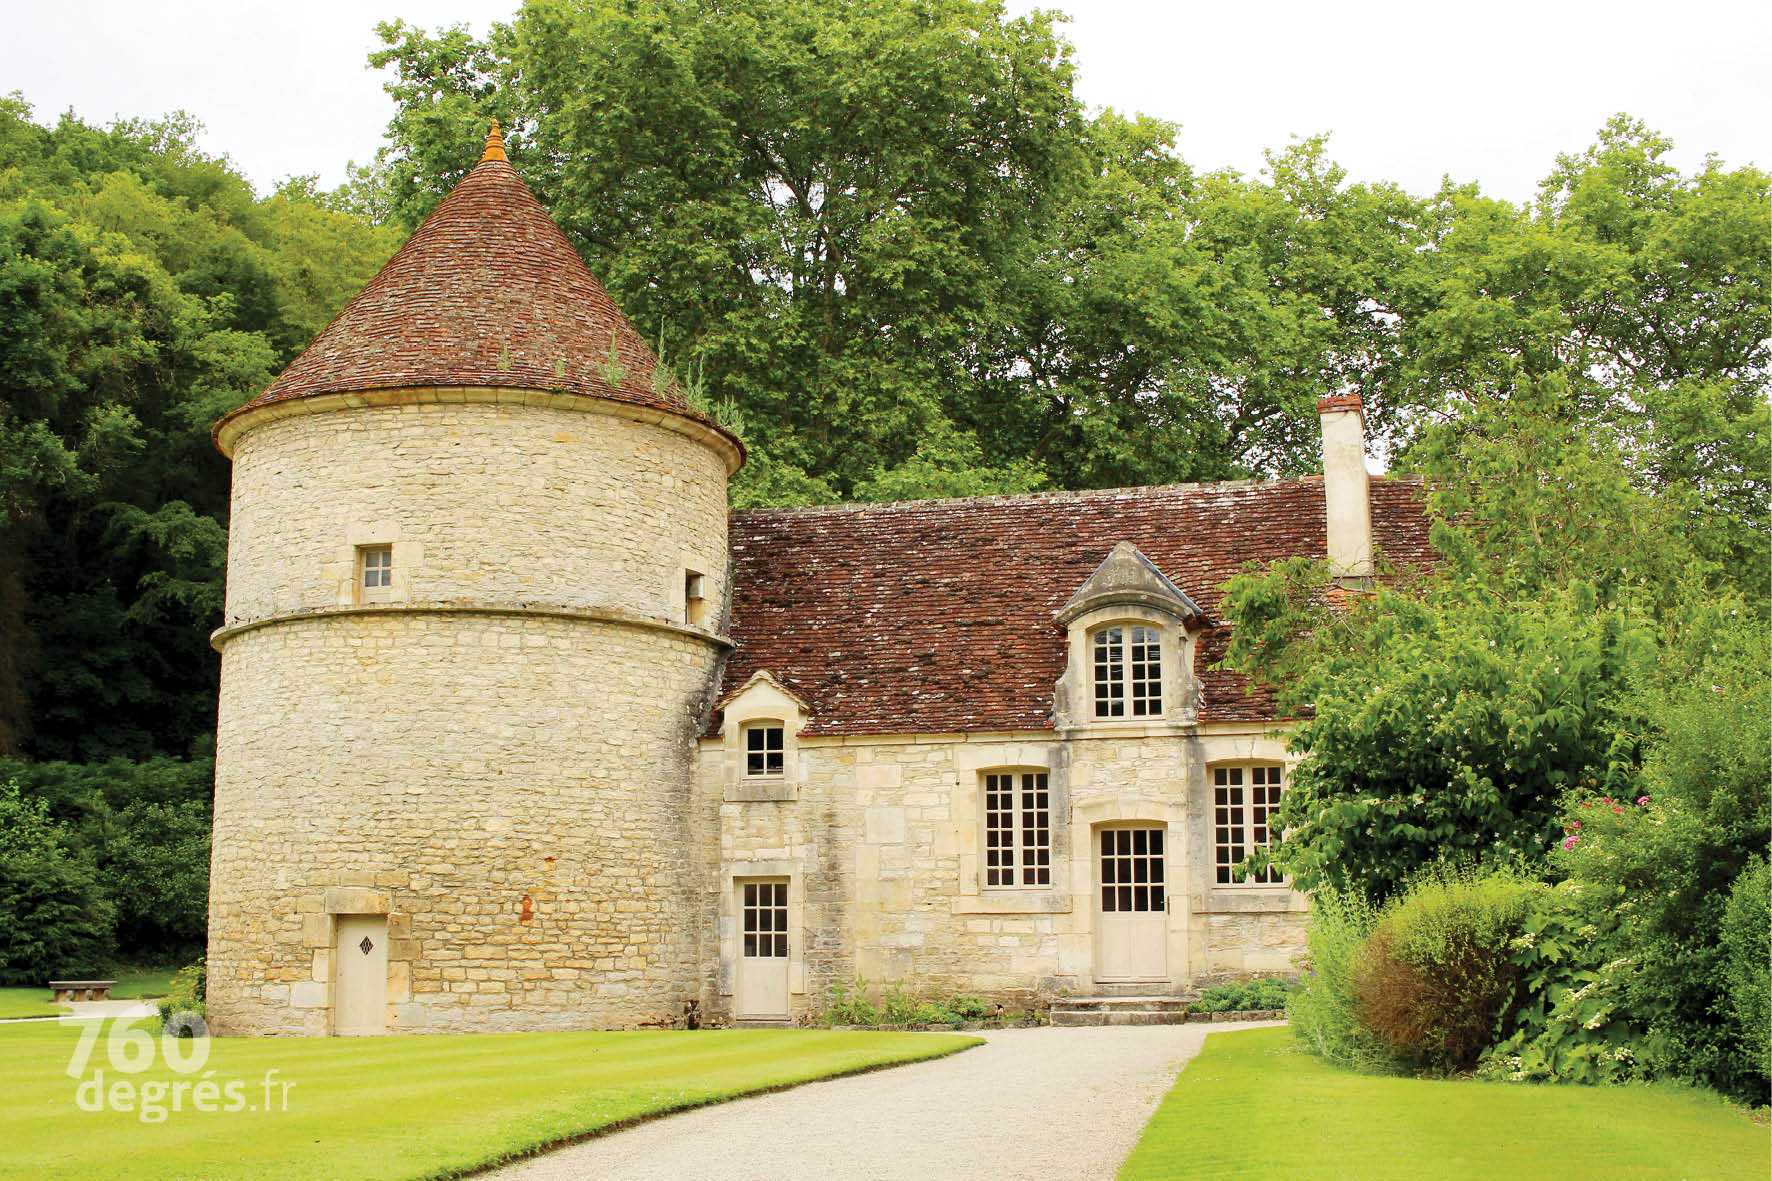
{"x": 761, "y": 989}
{"x": 360, "y": 975}
{"x": 1132, "y": 915}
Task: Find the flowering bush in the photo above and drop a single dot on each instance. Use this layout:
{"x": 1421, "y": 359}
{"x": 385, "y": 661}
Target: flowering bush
{"x": 1570, "y": 1021}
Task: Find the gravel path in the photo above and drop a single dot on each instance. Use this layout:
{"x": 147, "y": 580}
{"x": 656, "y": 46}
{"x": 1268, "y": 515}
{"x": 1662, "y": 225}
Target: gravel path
{"x": 1029, "y": 1103}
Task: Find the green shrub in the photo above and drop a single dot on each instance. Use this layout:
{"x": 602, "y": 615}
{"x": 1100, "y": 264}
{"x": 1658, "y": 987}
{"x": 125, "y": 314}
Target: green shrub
{"x": 1322, "y": 1009}
{"x": 1747, "y": 948}
{"x": 1267, "y": 993}
{"x": 1663, "y": 861}
{"x": 188, "y": 994}
{"x": 1571, "y": 1018}
{"x": 1434, "y": 978}
{"x": 845, "y": 1007}
{"x": 967, "y": 1007}
{"x": 55, "y": 921}
{"x": 899, "y": 1006}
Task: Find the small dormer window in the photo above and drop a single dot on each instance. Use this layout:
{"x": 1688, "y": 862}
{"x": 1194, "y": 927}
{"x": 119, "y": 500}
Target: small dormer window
{"x": 763, "y": 749}
{"x": 1128, "y": 661}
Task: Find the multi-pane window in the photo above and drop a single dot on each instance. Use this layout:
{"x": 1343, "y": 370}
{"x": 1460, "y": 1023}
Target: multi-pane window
{"x": 763, "y": 749}
{"x": 1017, "y": 829}
{"x": 1244, "y": 800}
{"x": 1132, "y": 870}
{"x": 378, "y": 567}
{"x": 766, "y": 920}
{"x": 1128, "y": 671}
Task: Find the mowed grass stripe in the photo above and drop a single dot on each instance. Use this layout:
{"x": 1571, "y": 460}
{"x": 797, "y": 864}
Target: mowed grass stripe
{"x": 407, "y": 1106}
{"x": 1253, "y": 1104}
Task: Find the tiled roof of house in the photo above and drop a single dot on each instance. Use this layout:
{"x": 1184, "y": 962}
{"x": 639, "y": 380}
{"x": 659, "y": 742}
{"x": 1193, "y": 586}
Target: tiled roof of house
{"x": 487, "y": 292}
{"x": 938, "y": 616}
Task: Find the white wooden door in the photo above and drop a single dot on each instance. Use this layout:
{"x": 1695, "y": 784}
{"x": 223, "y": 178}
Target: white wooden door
{"x": 1132, "y": 916}
{"x": 360, "y": 975}
{"x": 761, "y": 989}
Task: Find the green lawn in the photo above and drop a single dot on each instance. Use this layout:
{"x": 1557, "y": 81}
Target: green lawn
{"x": 141, "y": 983}
{"x": 27, "y": 1002}
{"x": 132, "y": 984}
{"x": 401, "y": 1106}
{"x": 1253, "y": 1105}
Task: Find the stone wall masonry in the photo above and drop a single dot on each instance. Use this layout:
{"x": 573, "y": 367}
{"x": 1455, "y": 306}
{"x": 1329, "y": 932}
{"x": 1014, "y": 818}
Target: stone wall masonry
{"x": 886, "y": 834}
{"x": 511, "y": 790}
{"x": 482, "y": 501}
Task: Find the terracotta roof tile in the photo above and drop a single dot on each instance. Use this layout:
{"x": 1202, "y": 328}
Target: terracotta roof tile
{"x": 487, "y": 292}
{"x": 938, "y": 616}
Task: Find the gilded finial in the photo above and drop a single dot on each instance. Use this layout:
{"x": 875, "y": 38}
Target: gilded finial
{"x": 495, "y": 145}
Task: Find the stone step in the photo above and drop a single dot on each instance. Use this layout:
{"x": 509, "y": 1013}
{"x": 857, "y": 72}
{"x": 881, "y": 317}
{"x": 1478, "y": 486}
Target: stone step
{"x": 1094, "y": 1003}
{"x": 1137, "y": 990}
{"x": 1091, "y": 1017}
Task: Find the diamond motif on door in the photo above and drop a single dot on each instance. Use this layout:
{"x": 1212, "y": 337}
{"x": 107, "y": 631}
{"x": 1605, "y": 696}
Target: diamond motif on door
{"x": 366, "y": 947}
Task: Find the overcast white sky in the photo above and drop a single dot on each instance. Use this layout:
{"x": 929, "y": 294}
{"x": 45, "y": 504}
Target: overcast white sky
{"x": 1411, "y": 91}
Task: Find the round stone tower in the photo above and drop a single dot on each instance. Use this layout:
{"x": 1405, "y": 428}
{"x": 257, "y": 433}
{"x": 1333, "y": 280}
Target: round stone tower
{"x": 476, "y": 590}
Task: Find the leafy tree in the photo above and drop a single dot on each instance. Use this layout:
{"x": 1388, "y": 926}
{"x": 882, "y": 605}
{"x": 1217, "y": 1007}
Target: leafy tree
{"x": 58, "y": 921}
{"x": 1452, "y": 710}
{"x": 144, "y": 292}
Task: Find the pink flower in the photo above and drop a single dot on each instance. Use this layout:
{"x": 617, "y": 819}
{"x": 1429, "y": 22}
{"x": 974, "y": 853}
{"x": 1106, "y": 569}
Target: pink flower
{"x": 1569, "y": 841}
{"x": 1642, "y": 801}
{"x": 1577, "y": 824}
{"x": 1620, "y": 811}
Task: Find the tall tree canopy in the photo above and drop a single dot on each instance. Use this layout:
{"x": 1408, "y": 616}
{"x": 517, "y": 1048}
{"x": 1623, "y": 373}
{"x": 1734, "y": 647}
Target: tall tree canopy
{"x": 890, "y": 236}
{"x": 144, "y": 291}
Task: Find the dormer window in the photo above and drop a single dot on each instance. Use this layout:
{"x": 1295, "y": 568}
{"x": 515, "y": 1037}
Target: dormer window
{"x": 1128, "y": 661}
{"x": 763, "y": 749}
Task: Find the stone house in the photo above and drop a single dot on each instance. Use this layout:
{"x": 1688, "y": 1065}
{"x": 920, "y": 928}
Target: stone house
{"x": 519, "y": 728}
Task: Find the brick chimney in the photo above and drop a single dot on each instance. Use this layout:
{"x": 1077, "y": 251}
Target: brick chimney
{"x": 1347, "y": 506}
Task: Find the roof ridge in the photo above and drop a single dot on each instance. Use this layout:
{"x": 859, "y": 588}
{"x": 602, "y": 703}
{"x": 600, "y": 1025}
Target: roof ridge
{"x": 1048, "y": 496}
{"x": 1062, "y": 494}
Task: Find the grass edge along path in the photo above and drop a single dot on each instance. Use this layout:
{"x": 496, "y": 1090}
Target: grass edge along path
{"x": 1253, "y": 1104}
{"x": 399, "y": 1107}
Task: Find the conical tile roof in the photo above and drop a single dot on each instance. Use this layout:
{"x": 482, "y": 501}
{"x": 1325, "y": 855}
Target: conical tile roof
{"x": 487, "y": 292}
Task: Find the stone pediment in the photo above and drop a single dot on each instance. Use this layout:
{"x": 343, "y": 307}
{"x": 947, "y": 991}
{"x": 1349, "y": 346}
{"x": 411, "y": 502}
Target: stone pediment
{"x": 1126, "y": 578}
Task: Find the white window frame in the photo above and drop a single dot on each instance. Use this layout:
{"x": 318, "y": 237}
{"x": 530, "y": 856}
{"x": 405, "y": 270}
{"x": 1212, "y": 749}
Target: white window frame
{"x": 1247, "y": 816}
{"x": 1027, "y": 817}
{"x": 762, "y": 728}
{"x": 1135, "y": 692}
{"x": 382, "y": 588}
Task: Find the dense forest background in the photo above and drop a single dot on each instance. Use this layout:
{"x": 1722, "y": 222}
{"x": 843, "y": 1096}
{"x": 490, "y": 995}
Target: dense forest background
{"x": 888, "y": 244}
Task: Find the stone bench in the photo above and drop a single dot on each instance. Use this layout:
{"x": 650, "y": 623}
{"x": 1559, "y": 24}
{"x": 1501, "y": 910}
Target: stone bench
{"x": 81, "y": 990}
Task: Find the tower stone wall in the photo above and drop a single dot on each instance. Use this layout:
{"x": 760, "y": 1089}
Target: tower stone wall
{"x": 498, "y": 755}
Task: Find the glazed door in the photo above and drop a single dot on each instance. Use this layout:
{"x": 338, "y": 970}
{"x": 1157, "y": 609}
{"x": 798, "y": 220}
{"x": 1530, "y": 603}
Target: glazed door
{"x": 761, "y": 989}
{"x": 1132, "y": 920}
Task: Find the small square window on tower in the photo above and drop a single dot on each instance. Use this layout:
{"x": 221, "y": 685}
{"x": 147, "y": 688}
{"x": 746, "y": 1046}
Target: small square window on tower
{"x": 695, "y": 598}
{"x": 375, "y": 572}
